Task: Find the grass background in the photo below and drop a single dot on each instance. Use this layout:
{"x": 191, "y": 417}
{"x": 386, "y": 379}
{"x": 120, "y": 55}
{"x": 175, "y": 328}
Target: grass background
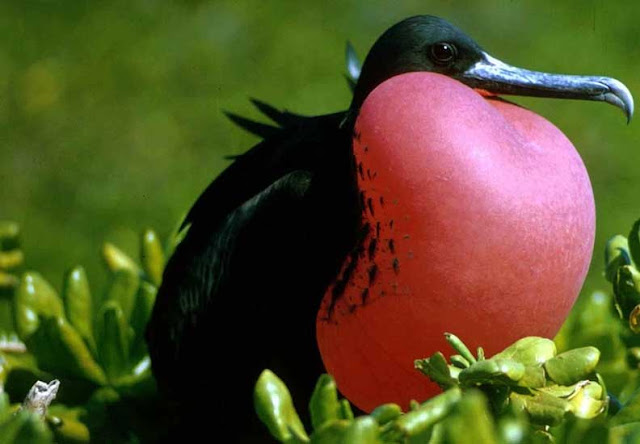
{"x": 110, "y": 111}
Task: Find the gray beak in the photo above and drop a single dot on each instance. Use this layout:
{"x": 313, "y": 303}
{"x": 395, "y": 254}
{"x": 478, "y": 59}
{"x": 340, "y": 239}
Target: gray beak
{"x": 497, "y": 77}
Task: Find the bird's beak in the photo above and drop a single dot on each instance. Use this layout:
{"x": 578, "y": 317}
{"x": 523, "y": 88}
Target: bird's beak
{"x": 496, "y": 77}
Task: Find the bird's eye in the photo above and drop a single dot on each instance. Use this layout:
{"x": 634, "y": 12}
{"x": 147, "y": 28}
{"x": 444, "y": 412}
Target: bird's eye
{"x": 443, "y": 53}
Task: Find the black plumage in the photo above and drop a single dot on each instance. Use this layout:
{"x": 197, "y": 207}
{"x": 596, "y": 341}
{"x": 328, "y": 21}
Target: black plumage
{"x": 267, "y": 233}
{"x": 270, "y": 234}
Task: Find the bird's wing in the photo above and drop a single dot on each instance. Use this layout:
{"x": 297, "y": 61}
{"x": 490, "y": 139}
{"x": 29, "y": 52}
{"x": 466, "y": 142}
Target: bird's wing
{"x": 260, "y": 195}
{"x": 196, "y": 271}
{"x": 292, "y": 145}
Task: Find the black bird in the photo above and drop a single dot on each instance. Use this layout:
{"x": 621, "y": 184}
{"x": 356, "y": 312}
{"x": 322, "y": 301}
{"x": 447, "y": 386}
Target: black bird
{"x": 270, "y": 234}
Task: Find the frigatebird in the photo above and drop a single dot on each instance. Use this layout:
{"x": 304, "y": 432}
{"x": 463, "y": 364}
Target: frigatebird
{"x": 269, "y": 236}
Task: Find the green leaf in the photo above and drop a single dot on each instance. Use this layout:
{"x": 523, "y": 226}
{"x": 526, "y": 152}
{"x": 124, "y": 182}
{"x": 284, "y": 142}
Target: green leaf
{"x": 275, "y": 409}
{"x": 616, "y": 254}
{"x": 144, "y": 306}
{"x": 78, "y": 304}
{"x": 67, "y": 424}
{"x": 419, "y": 422}
{"x": 4, "y": 370}
{"x": 102, "y": 397}
{"x": 138, "y": 382}
{"x": 634, "y": 242}
{"x": 542, "y": 408}
{"x": 332, "y": 433}
{"x": 100, "y": 408}
{"x": 587, "y": 402}
{"x": 386, "y": 413}
{"x": 139, "y": 318}
{"x": 512, "y": 426}
{"x": 542, "y": 437}
{"x": 437, "y": 370}
{"x": 25, "y": 427}
{"x": 23, "y": 364}
{"x": 459, "y": 361}
{"x": 177, "y": 235}
{"x": 559, "y": 391}
{"x": 362, "y": 430}
{"x": 11, "y": 259}
{"x": 630, "y": 412}
{"x": 8, "y": 281}
{"x": 534, "y": 377}
{"x": 625, "y": 433}
{"x": 460, "y": 347}
{"x": 123, "y": 290}
{"x": 116, "y": 259}
{"x": 634, "y": 319}
{"x": 573, "y": 366}
{"x": 470, "y": 418}
{"x": 5, "y": 407}
{"x": 60, "y": 350}
{"x": 324, "y": 406}
{"x": 113, "y": 342}
{"x": 152, "y": 256}
{"x": 492, "y": 370}
{"x": 35, "y": 298}
{"x": 9, "y": 235}
{"x": 345, "y": 410}
{"x": 596, "y": 324}
{"x": 529, "y": 351}
{"x": 626, "y": 289}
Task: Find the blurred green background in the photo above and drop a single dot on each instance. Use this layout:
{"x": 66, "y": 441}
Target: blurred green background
{"x": 110, "y": 112}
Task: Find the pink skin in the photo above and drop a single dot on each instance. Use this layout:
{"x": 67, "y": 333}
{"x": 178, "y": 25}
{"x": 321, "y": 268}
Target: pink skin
{"x": 493, "y": 229}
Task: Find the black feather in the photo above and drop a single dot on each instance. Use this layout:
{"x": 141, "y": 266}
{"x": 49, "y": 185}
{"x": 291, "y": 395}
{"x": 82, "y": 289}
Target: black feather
{"x": 283, "y": 118}
{"x": 353, "y": 66}
{"x": 257, "y": 128}
{"x": 263, "y": 244}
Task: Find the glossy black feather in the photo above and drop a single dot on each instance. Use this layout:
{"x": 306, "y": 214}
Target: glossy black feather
{"x": 259, "y": 129}
{"x": 199, "y": 271}
{"x": 353, "y": 66}
{"x": 264, "y": 240}
{"x": 300, "y": 146}
{"x": 283, "y": 118}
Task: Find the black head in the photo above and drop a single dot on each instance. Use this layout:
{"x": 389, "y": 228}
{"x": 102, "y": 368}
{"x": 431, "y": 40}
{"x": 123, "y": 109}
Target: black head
{"x": 420, "y": 43}
{"x": 428, "y": 43}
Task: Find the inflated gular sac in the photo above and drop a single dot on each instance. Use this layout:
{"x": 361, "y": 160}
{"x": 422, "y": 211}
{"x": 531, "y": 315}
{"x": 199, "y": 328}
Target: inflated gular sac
{"x": 481, "y": 221}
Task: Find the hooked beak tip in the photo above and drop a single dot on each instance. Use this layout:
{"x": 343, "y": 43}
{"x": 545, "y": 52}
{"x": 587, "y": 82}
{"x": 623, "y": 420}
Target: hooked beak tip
{"x": 499, "y": 78}
{"x": 618, "y": 95}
